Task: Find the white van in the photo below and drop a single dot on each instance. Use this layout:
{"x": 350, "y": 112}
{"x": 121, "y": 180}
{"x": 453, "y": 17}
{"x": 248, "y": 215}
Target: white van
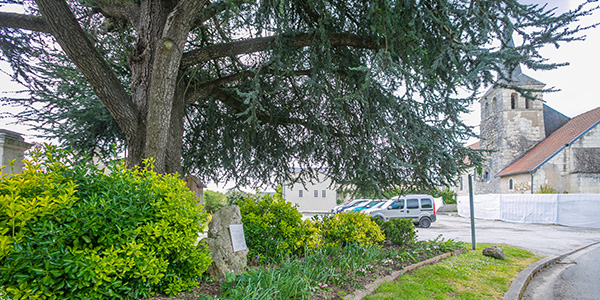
{"x": 420, "y": 208}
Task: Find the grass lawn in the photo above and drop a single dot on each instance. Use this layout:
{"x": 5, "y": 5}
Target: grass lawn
{"x": 467, "y": 276}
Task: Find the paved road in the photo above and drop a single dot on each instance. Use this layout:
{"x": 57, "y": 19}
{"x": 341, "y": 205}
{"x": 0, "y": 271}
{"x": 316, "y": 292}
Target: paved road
{"x": 575, "y": 277}
{"x": 540, "y": 239}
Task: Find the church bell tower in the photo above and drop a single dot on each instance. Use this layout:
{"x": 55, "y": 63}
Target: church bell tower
{"x": 512, "y": 122}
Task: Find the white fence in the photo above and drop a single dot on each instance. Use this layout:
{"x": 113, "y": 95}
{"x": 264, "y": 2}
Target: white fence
{"x": 578, "y": 210}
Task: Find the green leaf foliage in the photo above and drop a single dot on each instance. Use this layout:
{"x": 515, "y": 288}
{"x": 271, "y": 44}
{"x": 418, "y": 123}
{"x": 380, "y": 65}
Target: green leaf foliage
{"x": 273, "y": 227}
{"x": 213, "y": 200}
{"x": 353, "y": 228}
{"x": 73, "y": 231}
{"x": 398, "y": 232}
{"x": 546, "y": 189}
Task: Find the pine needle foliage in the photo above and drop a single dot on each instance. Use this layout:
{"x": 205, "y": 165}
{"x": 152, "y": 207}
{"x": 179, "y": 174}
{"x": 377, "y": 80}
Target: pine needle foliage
{"x": 372, "y": 91}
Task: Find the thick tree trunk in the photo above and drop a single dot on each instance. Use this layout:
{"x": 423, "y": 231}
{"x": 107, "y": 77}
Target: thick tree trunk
{"x": 168, "y": 51}
{"x": 175, "y": 139}
{"x": 149, "y": 26}
{"x": 162, "y": 32}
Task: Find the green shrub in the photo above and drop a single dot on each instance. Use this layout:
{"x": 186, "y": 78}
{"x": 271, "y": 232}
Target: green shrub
{"x": 213, "y": 201}
{"x": 448, "y": 195}
{"x": 233, "y": 196}
{"x": 351, "y": 228}
{"x": 68, "y": 230}
{"x": 399, "y": 232}
{"x": 272, "y": 226}
{"x": 546, "y": 189}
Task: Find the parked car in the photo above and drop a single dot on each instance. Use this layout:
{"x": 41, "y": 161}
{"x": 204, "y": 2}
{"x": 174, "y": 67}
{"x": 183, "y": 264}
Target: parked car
{"x": 420, "y": 208}
{"x": 359, "y": 203}
{"x": 366, "y": 205}
{"x": 377, "y": 206}
{"x": 343, "y": 206}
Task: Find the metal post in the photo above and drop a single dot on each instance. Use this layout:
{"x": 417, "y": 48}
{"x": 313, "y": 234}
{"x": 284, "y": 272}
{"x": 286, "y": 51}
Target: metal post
{"x": 531, "y": 173}
{"x": 472, "y": 212}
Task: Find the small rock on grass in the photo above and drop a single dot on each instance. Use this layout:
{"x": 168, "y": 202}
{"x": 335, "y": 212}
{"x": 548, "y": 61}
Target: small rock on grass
{"x": 495, "y": 252}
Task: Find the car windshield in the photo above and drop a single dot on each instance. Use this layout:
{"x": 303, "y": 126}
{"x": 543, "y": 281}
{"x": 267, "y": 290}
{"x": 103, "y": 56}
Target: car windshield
{"x": 380, "y": 204}
{"x": 357, "y": 203}
{"x": 372, "y": 204}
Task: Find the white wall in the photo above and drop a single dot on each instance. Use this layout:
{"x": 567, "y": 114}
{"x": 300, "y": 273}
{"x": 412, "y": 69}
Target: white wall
{"x": 578, "y": 210}
{"x": 308, "y": 202}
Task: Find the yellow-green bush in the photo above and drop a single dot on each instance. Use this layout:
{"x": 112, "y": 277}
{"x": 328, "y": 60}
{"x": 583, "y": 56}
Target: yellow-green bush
{"x": 67, "y": 230}
{"x": 272, "y": 226}
{"x": 351, "y": 228}
{"x": 312, "y": 235}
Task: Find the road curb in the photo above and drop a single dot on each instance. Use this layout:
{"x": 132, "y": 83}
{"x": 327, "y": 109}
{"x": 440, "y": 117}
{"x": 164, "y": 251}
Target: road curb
{"x": 369, "y": 288}
{"x": 518, "y": 286}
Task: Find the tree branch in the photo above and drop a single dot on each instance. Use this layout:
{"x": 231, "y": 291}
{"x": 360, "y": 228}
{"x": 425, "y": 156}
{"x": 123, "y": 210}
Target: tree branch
{"x": 238, "y": 105}
{"x": 260, "y": 44}
{"x": 28, "y": 22}
{"x": 206, "y": 89}
{"x": 208, "y": 12}
{"x": 73, "y": 40}
{"x": 126, "y": 10}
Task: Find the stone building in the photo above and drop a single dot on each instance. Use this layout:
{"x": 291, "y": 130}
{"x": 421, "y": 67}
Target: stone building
{"x": 12, "y": 149}
{"x": 533, "y": 145}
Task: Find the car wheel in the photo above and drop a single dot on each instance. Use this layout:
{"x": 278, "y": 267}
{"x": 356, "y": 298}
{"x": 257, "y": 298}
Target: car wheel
{"x": 425, "y": 222}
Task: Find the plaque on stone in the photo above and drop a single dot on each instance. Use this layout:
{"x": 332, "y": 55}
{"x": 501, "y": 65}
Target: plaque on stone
{"x": 238, "y": 240}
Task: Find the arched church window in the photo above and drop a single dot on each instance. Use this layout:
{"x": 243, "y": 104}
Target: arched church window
{"x": 528, "y": 103}
{"x": 513, "y": 100}
{"x": 511, "y": 185}
{"x": 494, "y": 104}
{"x": 487, "y": 110}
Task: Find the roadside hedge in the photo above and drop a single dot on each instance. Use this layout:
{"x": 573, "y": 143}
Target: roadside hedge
{"x": 68, "y": 230}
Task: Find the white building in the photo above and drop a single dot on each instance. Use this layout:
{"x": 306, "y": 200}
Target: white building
{"x": 319, "y": 196}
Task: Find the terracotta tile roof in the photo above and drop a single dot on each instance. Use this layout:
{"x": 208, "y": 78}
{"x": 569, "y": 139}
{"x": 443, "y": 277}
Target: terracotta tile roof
{"x": 550, "y": 146}
{"x": 475, "y": 145}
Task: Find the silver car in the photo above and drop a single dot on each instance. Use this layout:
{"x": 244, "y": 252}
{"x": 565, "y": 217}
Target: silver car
{"x": 420, "y": 208}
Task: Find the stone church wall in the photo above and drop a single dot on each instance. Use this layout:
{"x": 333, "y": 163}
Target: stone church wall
{"x": 521, "y": 184}
{"x": 575, "y": 169}
{"x": 584, "y": 167}
{"x": 510, "y": 126}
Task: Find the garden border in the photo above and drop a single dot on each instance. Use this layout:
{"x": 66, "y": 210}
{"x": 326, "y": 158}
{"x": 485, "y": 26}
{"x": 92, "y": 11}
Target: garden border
{"x": 369, "y": 288}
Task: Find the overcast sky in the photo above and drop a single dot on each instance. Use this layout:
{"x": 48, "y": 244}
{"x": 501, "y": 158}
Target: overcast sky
{"x": 577, "y": 82}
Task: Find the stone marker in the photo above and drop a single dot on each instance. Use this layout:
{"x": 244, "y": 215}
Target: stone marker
{"x": 223, "y": 233}
{"x": 494, "y": 252}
